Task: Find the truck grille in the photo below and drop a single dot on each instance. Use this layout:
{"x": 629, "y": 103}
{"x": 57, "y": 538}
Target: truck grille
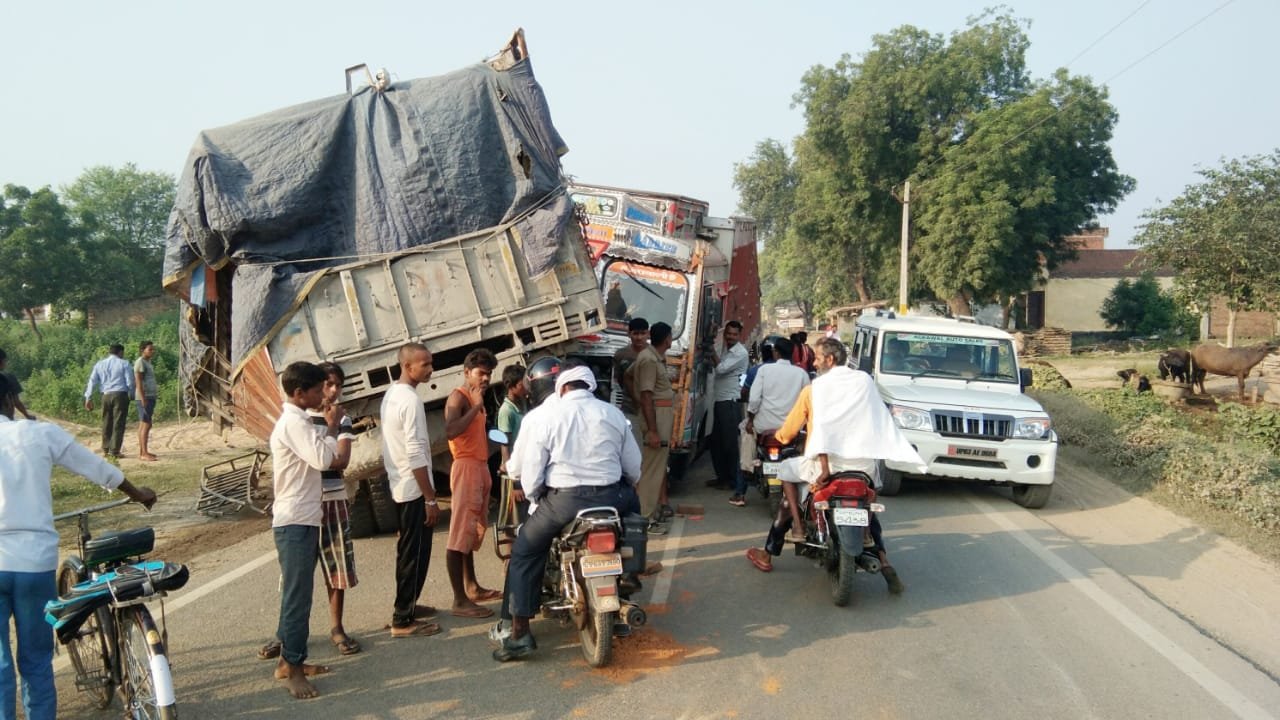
{"x": 972, "y": 425}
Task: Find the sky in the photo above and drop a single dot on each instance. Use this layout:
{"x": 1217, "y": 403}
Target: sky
{"x": 662, "y": 96}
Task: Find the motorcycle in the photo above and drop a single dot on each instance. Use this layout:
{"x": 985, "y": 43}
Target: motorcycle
{"x": 769, "y": 456}
{"x": 837, "y": 519}
{"x": 591, "y": 574}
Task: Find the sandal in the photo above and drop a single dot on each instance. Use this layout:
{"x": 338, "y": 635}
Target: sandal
{"x": 487, "y": 595}
{"x": 270, "y": 651}
{"x": 753, "y": 554}
{"x": 346, "y": 645}
{"x": 416, "y": 629}
{"x": 666, "y": 512}
{"x": 476, "y": 612}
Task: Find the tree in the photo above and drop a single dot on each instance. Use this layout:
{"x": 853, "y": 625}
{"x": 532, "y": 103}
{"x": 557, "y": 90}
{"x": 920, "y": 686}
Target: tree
{"x": 125, "y": 212}
{"x": 1140, "y": 307}
{"x": 1221, "y": 237}
{"x": 1002, "y": 167}
{"x": 41, "y": 251}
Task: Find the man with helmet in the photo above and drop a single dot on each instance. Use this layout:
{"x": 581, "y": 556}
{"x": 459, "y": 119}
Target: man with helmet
{"x": 579, "y": 453}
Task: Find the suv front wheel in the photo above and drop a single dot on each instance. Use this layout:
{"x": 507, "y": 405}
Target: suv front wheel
{"x": 1033, "y": 497}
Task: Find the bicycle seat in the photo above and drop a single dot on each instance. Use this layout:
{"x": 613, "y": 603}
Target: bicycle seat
{"x": 119, "y": 545}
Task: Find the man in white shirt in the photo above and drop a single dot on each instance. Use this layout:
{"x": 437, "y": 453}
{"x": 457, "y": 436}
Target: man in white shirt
{"x": 300, "y": 450}
{"x": 774, "y": 390}
{"x": 727, "y": 410}
{"x": 29, "y": 545}
{"x": 581, "y": 454}
{"x": 406, "y": 455}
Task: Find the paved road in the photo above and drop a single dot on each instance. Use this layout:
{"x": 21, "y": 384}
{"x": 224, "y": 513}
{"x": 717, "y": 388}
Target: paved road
{"x": 1098, "y": 606}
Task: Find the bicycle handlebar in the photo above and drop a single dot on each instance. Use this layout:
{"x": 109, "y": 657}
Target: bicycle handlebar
{"x": 92, "y": 509}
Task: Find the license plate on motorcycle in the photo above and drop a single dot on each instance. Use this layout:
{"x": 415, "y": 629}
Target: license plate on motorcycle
{"x": 852, "y": 516}
{"x": 602, "y": 564}
{"x": 774, "y": 482}
{"x": 771, "y": 468}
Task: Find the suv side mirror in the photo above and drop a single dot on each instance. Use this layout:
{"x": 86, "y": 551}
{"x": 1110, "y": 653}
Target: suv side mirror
{"x": 1024, "y": 377}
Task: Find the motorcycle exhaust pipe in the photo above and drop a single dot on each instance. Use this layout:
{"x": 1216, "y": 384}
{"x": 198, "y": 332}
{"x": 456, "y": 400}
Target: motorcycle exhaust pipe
{"x": 635, "y": 615}
{"x": 869, "y": 561}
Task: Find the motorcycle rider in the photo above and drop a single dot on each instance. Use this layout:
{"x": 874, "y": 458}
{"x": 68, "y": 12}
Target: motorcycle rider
{"x": 849, "y": 428}
{"x": 773, "y": 393}
{"x": 579, "y": 454}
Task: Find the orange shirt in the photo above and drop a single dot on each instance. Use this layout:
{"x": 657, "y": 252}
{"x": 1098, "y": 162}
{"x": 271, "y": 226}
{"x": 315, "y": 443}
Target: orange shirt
{"x": 473, "y": 443}
{"x": 801, "y": 415}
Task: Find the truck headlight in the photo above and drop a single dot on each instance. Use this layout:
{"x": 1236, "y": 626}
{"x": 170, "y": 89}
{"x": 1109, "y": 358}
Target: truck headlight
{"x": 1032, "y": 428}
{"x": 909, "y": 418}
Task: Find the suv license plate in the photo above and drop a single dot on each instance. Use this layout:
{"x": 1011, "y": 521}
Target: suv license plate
{"x": 602, "y": 564}
{"x": 851, "y": 516}
{"x": 771, "y": 468}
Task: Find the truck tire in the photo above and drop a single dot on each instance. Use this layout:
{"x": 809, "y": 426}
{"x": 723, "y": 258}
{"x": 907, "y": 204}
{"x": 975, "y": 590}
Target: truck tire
{"x": 1032, "y": 497}
{"x": 385, "y": 516}
{"x": 890, "y": 480}
{"x": 360, "y": 512}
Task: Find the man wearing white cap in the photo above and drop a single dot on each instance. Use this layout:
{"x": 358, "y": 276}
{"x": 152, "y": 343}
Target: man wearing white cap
{"x": 580, "y": 455}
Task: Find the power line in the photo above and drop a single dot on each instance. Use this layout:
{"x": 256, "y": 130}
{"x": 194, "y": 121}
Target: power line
{"x": 1104, "y": 35}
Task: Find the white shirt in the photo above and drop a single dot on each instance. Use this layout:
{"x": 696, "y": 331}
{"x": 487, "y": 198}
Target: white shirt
{"x": 28, "y": 452}
{"x": 579, "y": 440}
{"x": 733, "y": 363}
{"x": 300, "y": 449}
{"x": 405, "y": 443}
{"x": 774, "y": 392}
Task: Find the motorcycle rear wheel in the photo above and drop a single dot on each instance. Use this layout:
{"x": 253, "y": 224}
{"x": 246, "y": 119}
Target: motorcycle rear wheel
{"x": 841, "y": 573}
{"x": 596, "y": 635}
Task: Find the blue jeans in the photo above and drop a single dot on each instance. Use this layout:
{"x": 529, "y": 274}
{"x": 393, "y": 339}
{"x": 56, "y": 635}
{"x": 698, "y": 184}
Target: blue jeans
{"x": 298, "y": 548}
{"x": 22, "y": 596}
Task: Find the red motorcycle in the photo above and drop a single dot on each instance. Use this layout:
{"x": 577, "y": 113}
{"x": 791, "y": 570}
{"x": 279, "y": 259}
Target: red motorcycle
{"x": 837, "y": 531}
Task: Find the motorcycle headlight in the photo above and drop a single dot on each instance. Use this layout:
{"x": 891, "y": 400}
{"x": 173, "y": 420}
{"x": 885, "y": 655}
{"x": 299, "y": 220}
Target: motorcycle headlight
{"x": 1032, "y": 428}
{"x": 909, "y": 418}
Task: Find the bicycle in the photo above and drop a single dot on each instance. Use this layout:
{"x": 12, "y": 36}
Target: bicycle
{"x": 101, "y": 617}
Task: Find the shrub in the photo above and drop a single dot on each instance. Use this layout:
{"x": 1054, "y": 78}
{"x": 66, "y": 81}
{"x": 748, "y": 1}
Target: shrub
{"x": 1259, "y": 425}
{"x": 55, "y": 370}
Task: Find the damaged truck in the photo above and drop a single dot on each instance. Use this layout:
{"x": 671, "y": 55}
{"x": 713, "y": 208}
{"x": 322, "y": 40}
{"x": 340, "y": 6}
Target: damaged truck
{"x": 432, "y": 210}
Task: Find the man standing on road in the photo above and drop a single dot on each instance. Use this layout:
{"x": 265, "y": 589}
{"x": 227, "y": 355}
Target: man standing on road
{"x": 114, "y": 375}
{"x": 849, "y": 429}
{"x": 727, "y": 412}
{"x": 469, "y": 483}
{"x": 17, "y": 386}
{"x": 579, "y": 455}
{"x": 406, "y": 455}
{"x": 651, "y": 385}
{"x": 144, "y": 379}
{"x": 300, "y": 451}
{"x": 29, "y": 546}
{"x": 774, "y": 391}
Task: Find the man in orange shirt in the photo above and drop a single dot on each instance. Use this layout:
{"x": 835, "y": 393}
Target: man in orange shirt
{"x": 469, "y": 483}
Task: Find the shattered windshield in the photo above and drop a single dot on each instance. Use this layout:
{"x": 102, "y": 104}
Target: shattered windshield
{"x": 632, "y": 290}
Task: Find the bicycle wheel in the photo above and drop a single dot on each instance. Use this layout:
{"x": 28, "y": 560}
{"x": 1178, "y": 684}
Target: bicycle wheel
{"x": 91, "y": 649}
{"x": 146, "y": 682}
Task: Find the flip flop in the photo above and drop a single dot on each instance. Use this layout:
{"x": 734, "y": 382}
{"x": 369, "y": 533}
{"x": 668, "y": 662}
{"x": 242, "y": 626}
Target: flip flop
{"x": 652, "y": 568}
{"x": 473, "y": 612}
{"x": 487, "y": 595}
{"x": 417, "y": 629}
{"x": 347, "y": 645}
{"x": 760, "y": 564}
{"x": 270, "y": 651}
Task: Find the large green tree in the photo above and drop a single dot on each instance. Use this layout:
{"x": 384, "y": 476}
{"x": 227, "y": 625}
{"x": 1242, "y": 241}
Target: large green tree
{"x": 1002, "y": 167}
{"x": 125, "y": 211}
{"x": 1221, "y": 237}
{"x": 41, "y": 251}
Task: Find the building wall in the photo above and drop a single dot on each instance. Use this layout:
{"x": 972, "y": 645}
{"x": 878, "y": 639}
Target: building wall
{"x": 1248, "y": 324}
{"x": 130, "y": 313}
{"x": 1073, "y": 303}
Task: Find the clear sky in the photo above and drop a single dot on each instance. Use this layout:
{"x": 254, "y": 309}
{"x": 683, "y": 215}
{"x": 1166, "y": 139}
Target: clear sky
{"x": 657, "y": 95}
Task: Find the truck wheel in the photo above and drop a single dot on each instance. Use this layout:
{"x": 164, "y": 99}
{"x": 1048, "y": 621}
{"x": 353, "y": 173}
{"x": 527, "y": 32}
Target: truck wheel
{"x": 1032, "y": 496}
{"x": 890, "y": 480}
{"x": 360, "y": 512}
{"x": 385, "y": 517}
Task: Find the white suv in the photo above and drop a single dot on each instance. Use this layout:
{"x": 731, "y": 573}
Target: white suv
{"x": 956, "y": 391}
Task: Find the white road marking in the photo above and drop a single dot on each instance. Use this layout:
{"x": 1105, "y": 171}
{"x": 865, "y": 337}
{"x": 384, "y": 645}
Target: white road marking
{"x": 1240, "y": 705}
{"x": 662, "y": 588}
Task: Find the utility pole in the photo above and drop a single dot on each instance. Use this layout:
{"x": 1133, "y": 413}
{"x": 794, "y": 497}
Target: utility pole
{"x": 902, "y": 262}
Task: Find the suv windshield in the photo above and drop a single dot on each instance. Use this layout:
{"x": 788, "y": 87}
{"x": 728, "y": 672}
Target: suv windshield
{"x": 957, "y": 356}
{"x": 655, "y": 294}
